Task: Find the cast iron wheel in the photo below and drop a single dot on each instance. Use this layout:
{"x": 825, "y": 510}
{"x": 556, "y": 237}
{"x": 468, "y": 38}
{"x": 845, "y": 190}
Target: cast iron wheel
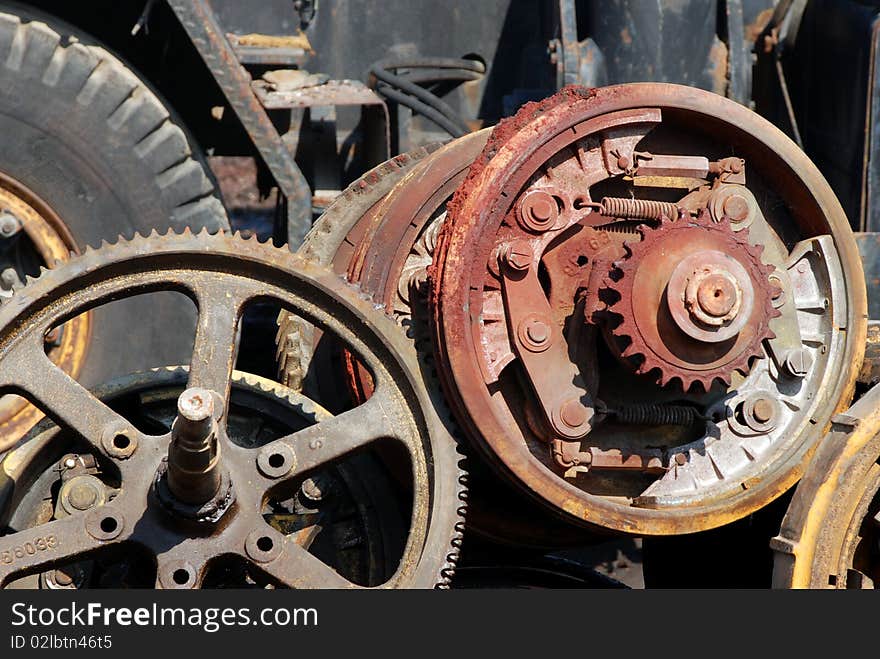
{"x": 172, "y": 489}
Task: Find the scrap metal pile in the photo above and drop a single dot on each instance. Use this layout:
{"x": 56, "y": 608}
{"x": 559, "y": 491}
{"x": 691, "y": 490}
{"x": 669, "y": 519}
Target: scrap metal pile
{"x": 630, "y": 310}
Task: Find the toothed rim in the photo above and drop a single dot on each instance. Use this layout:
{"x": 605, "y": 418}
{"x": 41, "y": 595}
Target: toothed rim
{"x": 623, "y": 308}
{"x": 447, "y": 489}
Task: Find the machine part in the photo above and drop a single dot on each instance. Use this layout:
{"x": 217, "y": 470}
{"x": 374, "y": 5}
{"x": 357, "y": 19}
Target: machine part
{"x": 663, "y": 479}
{"x": 200, "y": 23}
{"x": 357, "y": 526}
{"x": 829, "y": 536}
{"x": 40, "y": 238}
{"x": 91, "y": 153}
{"x": 695, "y": 301}
{"x": 382, "y": 237}
{"x": 221, "y": 274}
{"x": 296, "y": 340}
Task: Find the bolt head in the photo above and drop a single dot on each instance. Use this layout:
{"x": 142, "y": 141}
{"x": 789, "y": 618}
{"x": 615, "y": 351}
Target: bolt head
{"x": 538, "y": 210}
{"x": 762, "y": 410}
{"x": 9, "y": 225}
{"x": 517, "y": 255}
{"x": 798, "y": 362}
{"x": 538, "y": 332}
{"x": 573, "y": 414}
{"x": 62, "y": 578}
{"x": 82, "y": 496}
{"x": 716, "y": 295}
{"x": 736, "y": 207}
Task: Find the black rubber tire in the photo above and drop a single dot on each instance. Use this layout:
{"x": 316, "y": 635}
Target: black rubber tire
{"x": 95, "y": 143}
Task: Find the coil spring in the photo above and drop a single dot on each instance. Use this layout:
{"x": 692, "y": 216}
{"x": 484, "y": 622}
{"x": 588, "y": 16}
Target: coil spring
{"x": 638, "y": 209}
{"x": 624, "y": 228}
{"x": 648, "y": 414}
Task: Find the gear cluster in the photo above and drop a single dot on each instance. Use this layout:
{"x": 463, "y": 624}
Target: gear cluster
{"x": 629, "y": 341}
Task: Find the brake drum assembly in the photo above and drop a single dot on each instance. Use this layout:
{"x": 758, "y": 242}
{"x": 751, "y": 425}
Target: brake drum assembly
{"x": 647, "y": 304}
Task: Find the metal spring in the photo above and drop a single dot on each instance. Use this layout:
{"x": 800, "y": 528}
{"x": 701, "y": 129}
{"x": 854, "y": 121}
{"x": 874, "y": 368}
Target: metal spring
{"x": 624, "y": 227}
{"x": 648, "y": 414}
{"x": 638, "y": 209}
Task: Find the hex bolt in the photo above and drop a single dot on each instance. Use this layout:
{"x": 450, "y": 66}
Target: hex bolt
{"x": 517, "y": 255}
{"x": 194, "y": 474}
{"x": 9, "y": 225}
{"x": 572, "y": 413}
{"x": 798, "y": 362}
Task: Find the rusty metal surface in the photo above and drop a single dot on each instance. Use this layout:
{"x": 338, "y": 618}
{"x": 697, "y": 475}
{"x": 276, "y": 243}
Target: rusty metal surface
{"x": 695, "y": 301}
{"x": 566, "y": 146}
{"x": 350, "y": 500}
{"x": 44, "y": 233}
{"x": 332, "y": 92}
{"x": 222, "y": 274}
{"x": 829, "y": 534}
{"x": 381, "y": 237}
{"x": 200, "y": 23}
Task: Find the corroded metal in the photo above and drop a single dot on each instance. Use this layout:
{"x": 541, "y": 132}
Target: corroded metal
{"x": 828, "y": 538}
{"x": 382, "y": 237}
{"x": 582, "y": 143}
{"x": 222, "y": 274}
{"x": 44, "y": 233}
{"x": 695, "y": 301}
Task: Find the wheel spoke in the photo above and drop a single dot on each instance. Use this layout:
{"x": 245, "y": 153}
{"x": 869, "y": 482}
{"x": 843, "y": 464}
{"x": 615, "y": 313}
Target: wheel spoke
{"x": 330, "y": 440}
{"x": 57, "y": 542}
{"x": 61, "y": 397}
{"x": 215, "y": 344}
{"x": 295, "y": 567}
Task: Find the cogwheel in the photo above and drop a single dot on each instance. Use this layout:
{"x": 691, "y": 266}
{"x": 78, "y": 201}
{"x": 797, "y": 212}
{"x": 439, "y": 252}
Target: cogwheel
{"x": 224, "y": 273}
{"x": 695, "y": 301}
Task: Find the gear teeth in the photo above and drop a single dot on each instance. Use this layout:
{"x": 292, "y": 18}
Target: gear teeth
{"x": 622, "y": 307}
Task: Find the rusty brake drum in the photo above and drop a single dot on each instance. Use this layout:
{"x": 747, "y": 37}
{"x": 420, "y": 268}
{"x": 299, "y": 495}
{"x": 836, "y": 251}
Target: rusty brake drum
{"x": 647, "y": 305}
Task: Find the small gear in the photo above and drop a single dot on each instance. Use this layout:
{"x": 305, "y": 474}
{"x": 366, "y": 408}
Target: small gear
{"x": 695, "y": 301}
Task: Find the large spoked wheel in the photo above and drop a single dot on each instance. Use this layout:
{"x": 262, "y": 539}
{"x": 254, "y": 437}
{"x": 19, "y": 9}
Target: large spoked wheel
{"x": 191, "y": 497}
{"x": 647, "y": 306}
